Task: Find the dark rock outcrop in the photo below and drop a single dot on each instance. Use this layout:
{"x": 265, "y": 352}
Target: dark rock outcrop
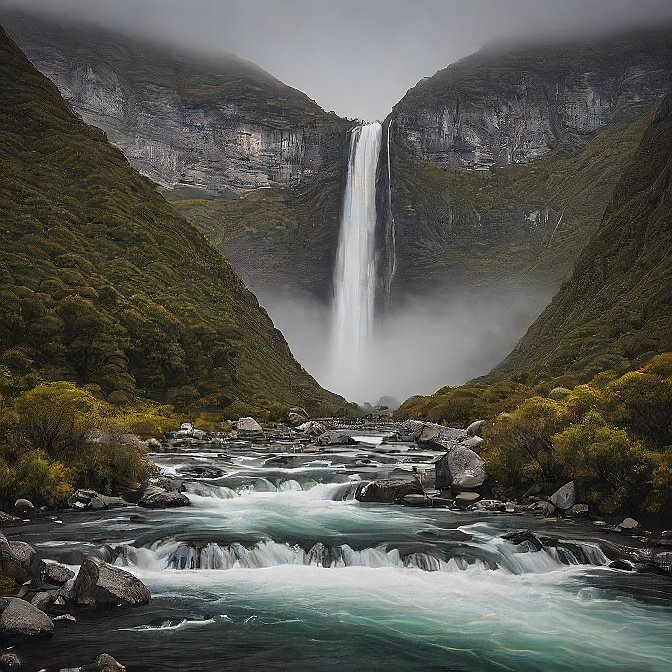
{"x": 459, "y": 468}
{"x": 99, "y": 585}
{"x": 104, "y": 663}
{"x": 20, "y": 620}
{"x": 389, "y": 490}
{"x": 155, "y": 497}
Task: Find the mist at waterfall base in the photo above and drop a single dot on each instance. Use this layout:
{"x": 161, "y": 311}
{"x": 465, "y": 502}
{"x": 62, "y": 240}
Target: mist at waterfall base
{"x": 444, "y": 339}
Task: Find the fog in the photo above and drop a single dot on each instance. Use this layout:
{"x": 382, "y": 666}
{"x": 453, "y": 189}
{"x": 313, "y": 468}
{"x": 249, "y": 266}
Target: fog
{"x": 356, "y": 57}
{"x": 431, "y": 342}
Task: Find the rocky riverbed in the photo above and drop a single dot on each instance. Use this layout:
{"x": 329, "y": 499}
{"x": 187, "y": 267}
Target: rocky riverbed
{"x": 331, "y": 546}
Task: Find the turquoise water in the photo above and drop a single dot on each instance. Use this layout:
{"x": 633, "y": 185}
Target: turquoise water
{"x": 287, "y": 578}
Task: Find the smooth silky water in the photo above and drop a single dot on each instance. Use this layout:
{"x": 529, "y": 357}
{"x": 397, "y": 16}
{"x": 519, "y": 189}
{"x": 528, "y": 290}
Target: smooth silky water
{"x": 276, "y": 567}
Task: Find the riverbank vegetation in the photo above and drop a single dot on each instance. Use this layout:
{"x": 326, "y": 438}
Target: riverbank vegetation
{"x": 611, "y": 435}
{"x": 57, "y": 437}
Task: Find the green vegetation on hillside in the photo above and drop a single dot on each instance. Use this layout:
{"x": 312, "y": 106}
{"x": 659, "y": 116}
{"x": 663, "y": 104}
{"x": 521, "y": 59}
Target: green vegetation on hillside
{"x": 612, "y": 435}
{"x": 102, "y": 283}
{"x": 615, "y": 311}
{"x": 515, "y": 225}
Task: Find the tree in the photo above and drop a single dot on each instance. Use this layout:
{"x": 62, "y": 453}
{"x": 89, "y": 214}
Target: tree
{"x": 522, "y": 441}
{"x": 642, "y": 402}
{"x": 612, "y": 467}
{"x": 56, "y": 417}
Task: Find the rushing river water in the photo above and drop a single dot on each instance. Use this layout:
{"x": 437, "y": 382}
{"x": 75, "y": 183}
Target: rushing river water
{"x": 276, "y": 567}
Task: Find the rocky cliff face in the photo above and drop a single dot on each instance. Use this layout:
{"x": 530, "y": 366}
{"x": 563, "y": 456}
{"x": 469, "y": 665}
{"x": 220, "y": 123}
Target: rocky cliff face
{"x": 219, "y": 125}
{"x": 512, "y": 105}
{"x": 614, "y": 312}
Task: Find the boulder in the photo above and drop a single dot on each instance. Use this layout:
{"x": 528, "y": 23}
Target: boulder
{"x": 416, "y": 500}
{"x": 391, "y": 437}
{"x": 87, "y": 499}
{"x": 565, "y": 497}
{"x": 249, "y": 425}
{"x": 629, "y": 524}
{"x": 101, "y": 585}
{"x": 42, "y": 600}
{"x": 24, "y": 506}
{"x": 461, "y": 468}
{"x": 155, "y": 497}
{"x": 389, "y": 490}
{"x": 104, "y": 663}
{"x": 475, "y": 428}
{"x": 312, "y": 428}
{"x": 297, "y": 416}
{"x": 335, "y": 437}
{"x": 19, "y": 561}
{"x": 20, "y": 620}
{"x": 529, "y": 539}
{"x": 465, "y": 499}
{"x": 153, "y": 445}
{"x": 438, "y": 435}
{"x": 474, "y": 443}
{"x": 9, "y": 660}
{"x": 56, "y": 574}
{"x": 580, "y": 510}
{"x": 621, "y": 564}
{"x": 196, "y": 471}
{"x": 545, "y": 508}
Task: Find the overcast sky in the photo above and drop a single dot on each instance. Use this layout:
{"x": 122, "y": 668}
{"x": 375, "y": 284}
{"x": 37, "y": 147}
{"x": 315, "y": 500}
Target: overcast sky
{"x": 356, "y": 57}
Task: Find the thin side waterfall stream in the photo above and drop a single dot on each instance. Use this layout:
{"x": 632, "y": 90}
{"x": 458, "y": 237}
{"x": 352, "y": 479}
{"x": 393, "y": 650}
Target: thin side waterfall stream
{"x": 355, "y": 271}
{"x": 276, "y": 566}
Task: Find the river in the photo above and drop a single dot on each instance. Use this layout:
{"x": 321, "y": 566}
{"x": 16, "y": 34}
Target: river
{"x": 276, "y": 567}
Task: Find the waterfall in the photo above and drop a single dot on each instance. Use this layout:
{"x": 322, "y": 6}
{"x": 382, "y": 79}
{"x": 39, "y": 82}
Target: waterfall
{"x": 355, "y": 272}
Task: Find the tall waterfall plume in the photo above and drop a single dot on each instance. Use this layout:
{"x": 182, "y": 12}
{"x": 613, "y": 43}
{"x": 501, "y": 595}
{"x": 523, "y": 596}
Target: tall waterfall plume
{"x": 355, "y": 272}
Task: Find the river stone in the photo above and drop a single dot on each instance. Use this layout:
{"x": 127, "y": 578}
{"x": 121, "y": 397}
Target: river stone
{"x": 101, "y": 585}
{"x": 104, "y": 663}
{"x": 42, "y": 600}
{"x": 621, "y": 564}
{"x": 416, "y": 500}
{"x": 10, "y": 660}
{"x": 526, "y": 537}
{"x": 465, "y": 499}
{"x": 461, "y": 468}
{"x": 249, "y": 425}
{"x": 565, "y": 497}
{"x": 438, "y": 435}
{"x": 57, "y": 574}
{"x": 389, "y": 490}
{"x": 158, "y": 498}
{"x": 335, "y": 437}
{"x": 629, "y": 524}
{"x": 21, "y": 620}
{"x": 19, "y": 561}
{"x": 475, "y": 427}
{"x": 297, "y": 416}
{"x": 312, "y": 428}
{"x": 474, "y": 443}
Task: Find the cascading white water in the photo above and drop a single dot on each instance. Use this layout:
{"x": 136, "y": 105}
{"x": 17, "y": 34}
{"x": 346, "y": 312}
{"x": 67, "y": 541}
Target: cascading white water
{"x": 355, "y": 273}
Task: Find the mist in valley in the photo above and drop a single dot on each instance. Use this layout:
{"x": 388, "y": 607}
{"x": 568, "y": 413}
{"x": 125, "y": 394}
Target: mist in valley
{"x": 446, "y": 339}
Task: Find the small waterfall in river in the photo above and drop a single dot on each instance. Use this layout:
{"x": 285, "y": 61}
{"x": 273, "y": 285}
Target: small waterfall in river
{"x": 355, "y": 272}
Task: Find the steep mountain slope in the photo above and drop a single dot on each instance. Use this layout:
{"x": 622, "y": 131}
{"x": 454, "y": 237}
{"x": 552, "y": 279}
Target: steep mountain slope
{"x": 504, "y": 162}
{"x": 216, "y": 125}
{"x": 512, "y": 104}
{"x": 103, "y": 283}
{"x": 616, "y": 309}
